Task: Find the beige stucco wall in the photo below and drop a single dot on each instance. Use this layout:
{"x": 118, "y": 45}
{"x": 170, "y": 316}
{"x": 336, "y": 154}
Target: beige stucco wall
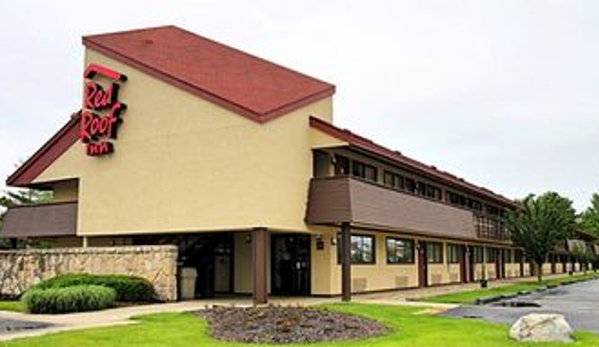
{"x": 487, "y": 271}
{"x": 512, "y": 270}
{"x": 322, "y": 262}
{"x": 184, "y": 164}
{"x": 547, "y": 268}
{"x": 527, "y": 269}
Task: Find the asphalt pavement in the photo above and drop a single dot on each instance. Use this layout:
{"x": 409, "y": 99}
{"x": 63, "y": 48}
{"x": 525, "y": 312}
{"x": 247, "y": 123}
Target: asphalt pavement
{"x": 578, "y": 302}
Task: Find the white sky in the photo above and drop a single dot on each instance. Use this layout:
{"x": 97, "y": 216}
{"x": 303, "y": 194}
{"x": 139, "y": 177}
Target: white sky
{"x": 502, "y": 93}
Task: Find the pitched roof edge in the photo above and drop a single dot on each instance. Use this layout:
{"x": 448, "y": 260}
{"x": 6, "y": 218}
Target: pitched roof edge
{"x": 225, "y": 103}
{"x": 369, "y": 145}
{"x": 62, "y": 140}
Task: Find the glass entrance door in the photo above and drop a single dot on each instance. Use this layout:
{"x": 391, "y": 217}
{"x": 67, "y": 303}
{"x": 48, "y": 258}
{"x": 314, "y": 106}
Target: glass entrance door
{"x": 290, "y": 264}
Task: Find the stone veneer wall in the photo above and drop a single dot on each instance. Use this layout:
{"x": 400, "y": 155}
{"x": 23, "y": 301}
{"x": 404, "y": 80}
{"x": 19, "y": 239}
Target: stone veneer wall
{"x": 21, "y": 269}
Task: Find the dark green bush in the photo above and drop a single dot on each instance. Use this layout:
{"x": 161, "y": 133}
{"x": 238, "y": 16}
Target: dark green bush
{"x": 70, "y": 299}
{"x": 128, "y": 288}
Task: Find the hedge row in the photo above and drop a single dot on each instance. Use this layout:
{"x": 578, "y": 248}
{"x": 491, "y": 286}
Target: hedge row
{"x": 127, "y": 288}
{"x": 69, "y": 299}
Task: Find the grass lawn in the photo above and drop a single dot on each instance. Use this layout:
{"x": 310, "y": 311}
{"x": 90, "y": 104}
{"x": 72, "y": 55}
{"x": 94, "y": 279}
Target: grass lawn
{"x": 409, "y": 329}
{"x": 469, "y": 297}
{"x": 16, "y": 306}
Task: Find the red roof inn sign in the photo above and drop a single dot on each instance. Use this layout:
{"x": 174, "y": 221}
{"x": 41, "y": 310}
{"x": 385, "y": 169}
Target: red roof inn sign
{"x": 101, "y": 113}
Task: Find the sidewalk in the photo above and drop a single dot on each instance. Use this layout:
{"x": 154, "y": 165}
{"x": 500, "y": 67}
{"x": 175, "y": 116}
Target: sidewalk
{"x": 418, "y": 293}
{"x": 122, "y": 315}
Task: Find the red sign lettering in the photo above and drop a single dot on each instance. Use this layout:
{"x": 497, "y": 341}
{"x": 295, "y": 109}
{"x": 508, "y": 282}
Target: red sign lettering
{"x": 101, "y": 113}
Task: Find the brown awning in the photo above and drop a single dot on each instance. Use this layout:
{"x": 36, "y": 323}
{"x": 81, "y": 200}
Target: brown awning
{"x": 334, "y": 200}
{"x": 58, "y": 219}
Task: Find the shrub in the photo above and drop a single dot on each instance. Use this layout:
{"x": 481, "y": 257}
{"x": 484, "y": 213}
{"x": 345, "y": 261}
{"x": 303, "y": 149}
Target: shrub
{"x": 70, "y": 299}
{"x": 128, "y": 288}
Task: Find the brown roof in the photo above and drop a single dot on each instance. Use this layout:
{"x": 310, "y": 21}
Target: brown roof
{"x": 417, "y": 166}
{"x": 250, "y": 86}
{"x": 57, "y": 219}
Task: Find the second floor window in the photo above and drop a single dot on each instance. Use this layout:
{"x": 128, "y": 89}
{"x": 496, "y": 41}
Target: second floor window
{"x": 393, "y": 180}
{"x": 364, "y": 171}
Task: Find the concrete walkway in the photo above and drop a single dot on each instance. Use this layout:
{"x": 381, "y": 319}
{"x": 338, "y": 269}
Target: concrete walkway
{"x": 419, "y": 293}
{"x": 121, "y": 316}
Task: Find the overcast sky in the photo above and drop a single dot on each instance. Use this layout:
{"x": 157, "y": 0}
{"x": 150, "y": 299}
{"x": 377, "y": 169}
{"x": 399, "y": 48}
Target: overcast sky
{"x": 502, "y": 93}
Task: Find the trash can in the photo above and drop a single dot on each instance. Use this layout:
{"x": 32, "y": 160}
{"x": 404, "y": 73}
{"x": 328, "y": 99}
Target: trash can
{"x": 187, "y": 283}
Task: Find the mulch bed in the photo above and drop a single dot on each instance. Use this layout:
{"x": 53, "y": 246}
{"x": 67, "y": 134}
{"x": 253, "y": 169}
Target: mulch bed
{"x": 274, "y": 324}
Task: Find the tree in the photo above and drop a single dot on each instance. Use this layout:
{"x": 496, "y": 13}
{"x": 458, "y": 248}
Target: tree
{"x": 590, "y": 217}
{"x": 542, "y": 224}
{"x": 14, "y": 197}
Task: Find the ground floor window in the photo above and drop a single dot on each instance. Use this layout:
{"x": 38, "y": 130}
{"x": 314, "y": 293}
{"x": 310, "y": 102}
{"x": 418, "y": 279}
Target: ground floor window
{"x": 479, "y": 255}
{"x": 400, "y": 251}
{"x": 453, "y": 254}
{"x": 434, "y": 252}
{"x": 491, "y": 255}
{"x": 362, "y": 249}
{"x": 510, "y": 256}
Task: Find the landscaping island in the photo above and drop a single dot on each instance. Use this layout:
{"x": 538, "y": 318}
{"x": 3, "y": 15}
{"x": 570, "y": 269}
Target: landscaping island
{"x": 274, "y": 324}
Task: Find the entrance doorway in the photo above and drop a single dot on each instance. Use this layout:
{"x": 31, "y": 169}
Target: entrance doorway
{"x": 290, "y": 264}
{"x": 212, "y": 256}
{"x": 422, "y": 265}
{"x": 463, "y": 263}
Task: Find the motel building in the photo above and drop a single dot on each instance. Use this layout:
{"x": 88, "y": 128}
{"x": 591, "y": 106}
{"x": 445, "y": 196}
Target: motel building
{"x": 236, "y": 160}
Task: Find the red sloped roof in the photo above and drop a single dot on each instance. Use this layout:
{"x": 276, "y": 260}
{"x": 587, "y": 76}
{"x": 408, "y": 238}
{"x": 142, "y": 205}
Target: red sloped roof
{"x": 396, "y": 156}
{"x": 245, "y": 84}
{"x": 248, "y": 85}
{"x": 46, "y": 155}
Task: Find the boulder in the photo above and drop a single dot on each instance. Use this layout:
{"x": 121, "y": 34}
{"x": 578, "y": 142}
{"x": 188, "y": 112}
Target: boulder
{"x": 542, "y": 327}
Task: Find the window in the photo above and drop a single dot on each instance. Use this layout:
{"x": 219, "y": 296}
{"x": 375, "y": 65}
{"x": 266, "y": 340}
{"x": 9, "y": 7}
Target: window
{"x": 453, "y": 254}
{"x": 362, "y": 170}
{"x": 362, "y": 249}
{"x": 393, "y": 180}
{"x": 491, "y": 255}
{"x": 510, "y": 256}
{"x": 434, "y": 253}
{"x": 479, "y": 255}
{"x": 518, "y": 256}
{"x": 433, "y": 192}
{"x": 421, "y": 188}
{"x": 341, "y": 165}
{"x": 400, "y": 251}
{"x": 410, "y": 185}
{"x": 321, "y": 164}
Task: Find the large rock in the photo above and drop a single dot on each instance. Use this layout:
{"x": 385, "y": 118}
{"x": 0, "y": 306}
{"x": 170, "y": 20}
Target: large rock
{"x": 540, "y": 327}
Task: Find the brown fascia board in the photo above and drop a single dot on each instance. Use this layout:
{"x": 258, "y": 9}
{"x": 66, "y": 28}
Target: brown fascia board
{"x": 398, "y": 158}
{"x": 46, "y": 155}
{"x": 206, "y": 95}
